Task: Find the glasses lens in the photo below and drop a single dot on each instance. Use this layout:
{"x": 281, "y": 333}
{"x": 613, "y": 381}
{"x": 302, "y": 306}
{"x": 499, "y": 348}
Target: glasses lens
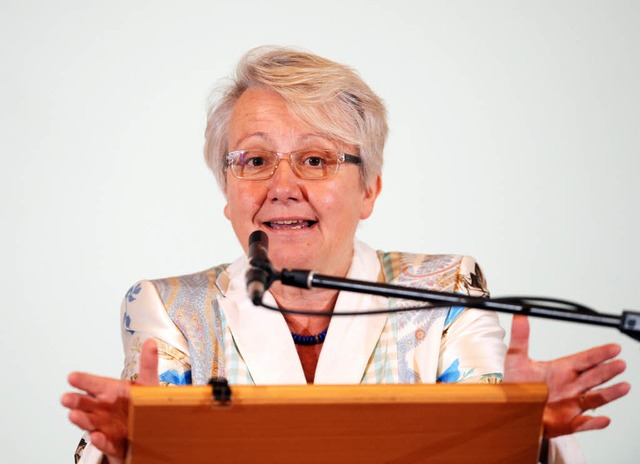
{"x": 314, "y": 164}
{"x": 253, "y": 164}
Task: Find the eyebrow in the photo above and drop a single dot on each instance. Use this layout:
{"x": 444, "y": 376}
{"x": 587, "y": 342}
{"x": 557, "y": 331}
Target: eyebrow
{"x": 264, "y": 136}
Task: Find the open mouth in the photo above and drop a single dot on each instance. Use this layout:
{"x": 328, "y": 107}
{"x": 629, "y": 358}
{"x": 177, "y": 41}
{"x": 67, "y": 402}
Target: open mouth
{"x": 290, "y": 225}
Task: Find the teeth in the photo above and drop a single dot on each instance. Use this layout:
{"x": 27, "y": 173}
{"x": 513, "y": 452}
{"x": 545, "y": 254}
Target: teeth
{"x": 287, "y": 224}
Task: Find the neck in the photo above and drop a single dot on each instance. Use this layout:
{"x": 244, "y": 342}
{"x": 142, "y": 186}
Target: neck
{"x": 316, "y": 300}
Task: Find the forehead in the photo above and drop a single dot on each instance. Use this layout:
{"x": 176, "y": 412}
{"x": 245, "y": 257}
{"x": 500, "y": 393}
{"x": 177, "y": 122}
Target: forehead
{"x": 259, "y": 106}
{"x": 262, "y": 114}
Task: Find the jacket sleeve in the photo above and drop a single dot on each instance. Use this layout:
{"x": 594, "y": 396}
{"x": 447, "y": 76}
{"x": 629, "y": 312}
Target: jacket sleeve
{"x": 143, "y": 316}
{"x": 473, "y": 350}
{"x": 472, "y": 347}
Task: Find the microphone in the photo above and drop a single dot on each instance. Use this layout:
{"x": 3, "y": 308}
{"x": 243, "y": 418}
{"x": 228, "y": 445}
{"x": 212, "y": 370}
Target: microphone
{"x": 260, "y": 274}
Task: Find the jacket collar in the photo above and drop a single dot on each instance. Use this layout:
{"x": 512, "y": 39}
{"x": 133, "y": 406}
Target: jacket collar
{"x": 264, "y": 341}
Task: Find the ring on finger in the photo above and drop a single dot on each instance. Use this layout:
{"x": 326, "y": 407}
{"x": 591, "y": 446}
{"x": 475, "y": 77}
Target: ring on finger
{"x": 583, "y": 402}
{"x": 582, "y": 399}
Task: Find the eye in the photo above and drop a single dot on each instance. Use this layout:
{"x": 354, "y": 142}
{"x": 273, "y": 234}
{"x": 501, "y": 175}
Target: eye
{"x": 316, "y": 159}
{"x": 255, "y": 159}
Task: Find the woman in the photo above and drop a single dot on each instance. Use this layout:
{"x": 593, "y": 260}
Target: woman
{"x": 296, "y": 145}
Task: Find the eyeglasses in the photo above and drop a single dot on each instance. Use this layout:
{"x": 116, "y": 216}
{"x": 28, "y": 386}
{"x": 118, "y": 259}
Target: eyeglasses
{"x": 306, "y": 164}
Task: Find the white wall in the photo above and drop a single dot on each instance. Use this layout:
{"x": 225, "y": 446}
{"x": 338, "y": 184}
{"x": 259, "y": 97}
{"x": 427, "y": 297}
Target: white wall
{"x": 512, "y": 139}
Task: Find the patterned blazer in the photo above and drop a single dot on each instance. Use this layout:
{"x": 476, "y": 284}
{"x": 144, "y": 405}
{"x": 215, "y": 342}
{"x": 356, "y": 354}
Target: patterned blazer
{"x": 206, "y": 326}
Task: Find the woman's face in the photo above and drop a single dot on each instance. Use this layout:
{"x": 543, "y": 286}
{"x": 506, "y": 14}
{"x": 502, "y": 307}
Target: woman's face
{"x": 310, "y": 223}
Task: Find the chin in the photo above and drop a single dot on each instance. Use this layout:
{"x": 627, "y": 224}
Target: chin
{"x": 294, "y": 262}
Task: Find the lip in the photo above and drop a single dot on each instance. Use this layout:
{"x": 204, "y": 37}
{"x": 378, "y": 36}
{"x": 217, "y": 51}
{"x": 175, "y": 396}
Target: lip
{"x": 289, "y": 224}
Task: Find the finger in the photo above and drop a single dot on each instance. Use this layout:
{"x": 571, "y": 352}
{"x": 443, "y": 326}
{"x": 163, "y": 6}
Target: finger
{"x": 589, "y": 358}
{"x": 78, "y": 401}
{"x": 114, "y": 429}
{"x": 583, "y": 423}
{"x": 82, "y": 419}
{"x": 148, "y": 374}
{"x": 110, "y": 447}
{"x": 596, "y": 398}
{"x": 519, "y": 334}
{"x": 96, "y": 385}
{"x": 68, "y": 400}
{"x": 601, "y": 373}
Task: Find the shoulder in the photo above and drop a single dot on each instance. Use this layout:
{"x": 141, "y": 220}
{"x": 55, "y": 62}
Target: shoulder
{"x": 206, "y": 280}
{"x": 445, "y": 272}
{"x": 170, "y": 289}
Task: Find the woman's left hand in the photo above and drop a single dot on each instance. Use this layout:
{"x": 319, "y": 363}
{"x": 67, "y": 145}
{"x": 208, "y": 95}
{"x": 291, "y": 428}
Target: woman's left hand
{"x": 572, "y": 381}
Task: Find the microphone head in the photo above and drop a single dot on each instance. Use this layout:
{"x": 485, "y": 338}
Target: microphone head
{"x": 258, "y": 236}
{"x": 260, "y": 274}
{"x": 258, "y": 250}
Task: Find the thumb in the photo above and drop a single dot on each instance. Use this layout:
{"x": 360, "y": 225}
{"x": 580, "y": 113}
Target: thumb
{"x": 148, "y": 374}
{"x": 519, "y": 334}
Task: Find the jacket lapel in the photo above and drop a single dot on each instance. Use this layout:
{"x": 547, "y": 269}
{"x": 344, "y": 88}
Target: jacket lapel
{"x": 351, "y": 339}
{"x": 262, "y": 336}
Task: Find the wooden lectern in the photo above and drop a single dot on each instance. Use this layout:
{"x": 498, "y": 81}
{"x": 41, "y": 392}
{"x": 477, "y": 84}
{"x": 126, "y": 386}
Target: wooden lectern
{"x": 443, "y": 423}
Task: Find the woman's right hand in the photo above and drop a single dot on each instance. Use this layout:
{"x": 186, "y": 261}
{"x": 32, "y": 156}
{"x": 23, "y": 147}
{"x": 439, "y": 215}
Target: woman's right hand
{"x": 103, "y": 406}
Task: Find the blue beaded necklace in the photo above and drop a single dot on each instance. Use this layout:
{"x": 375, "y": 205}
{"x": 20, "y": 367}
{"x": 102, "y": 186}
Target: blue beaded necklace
{"x": 309, "y": 340}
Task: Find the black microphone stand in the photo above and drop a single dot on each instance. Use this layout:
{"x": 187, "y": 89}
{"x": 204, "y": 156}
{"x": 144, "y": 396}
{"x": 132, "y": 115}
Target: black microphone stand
{"x": 628, "y": 323}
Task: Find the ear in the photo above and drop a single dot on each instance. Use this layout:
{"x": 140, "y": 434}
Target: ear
{"x": 370, "y": 196}
{"x": 227, "y": 214}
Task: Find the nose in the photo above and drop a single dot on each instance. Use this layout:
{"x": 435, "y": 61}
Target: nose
{"x": 284, "y": 185}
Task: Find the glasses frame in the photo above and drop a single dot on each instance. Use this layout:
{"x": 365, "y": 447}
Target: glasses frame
{"x": 341, "y": 158}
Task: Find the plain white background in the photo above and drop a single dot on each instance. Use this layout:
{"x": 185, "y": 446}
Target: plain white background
{"x": 514, "y": 138}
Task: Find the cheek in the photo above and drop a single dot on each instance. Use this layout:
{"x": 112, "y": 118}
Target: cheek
{"x": 341, "y": 207}
{"x": 325, "y": 201}
{"x": 243, "y": 201}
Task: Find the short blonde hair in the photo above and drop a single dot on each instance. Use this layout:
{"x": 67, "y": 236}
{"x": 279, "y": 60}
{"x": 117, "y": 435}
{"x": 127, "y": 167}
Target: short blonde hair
{"x": 330, "y": 97}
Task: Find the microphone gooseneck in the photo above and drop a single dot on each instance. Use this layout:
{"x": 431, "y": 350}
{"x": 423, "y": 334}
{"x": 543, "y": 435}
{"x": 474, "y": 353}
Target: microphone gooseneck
{"x": 260, "y": 275}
